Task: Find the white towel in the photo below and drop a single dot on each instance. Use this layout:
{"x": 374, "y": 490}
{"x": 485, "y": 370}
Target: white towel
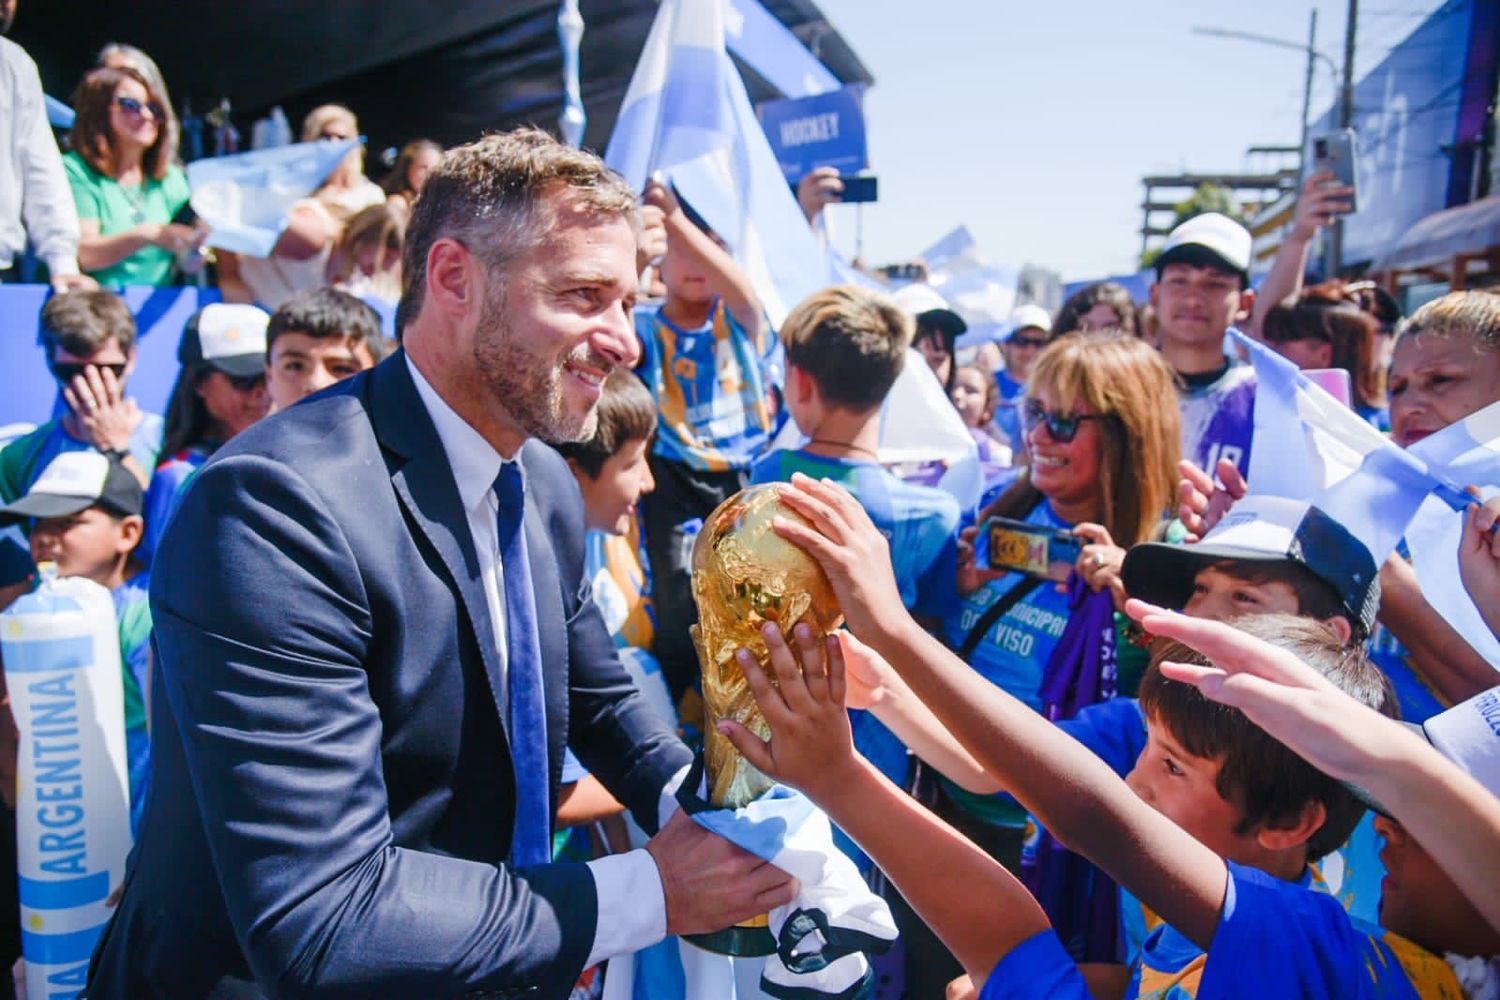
{"x": 822, "y": 935}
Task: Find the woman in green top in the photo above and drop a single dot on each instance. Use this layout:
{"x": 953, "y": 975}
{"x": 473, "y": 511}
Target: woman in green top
{"x": 125, "y": 183}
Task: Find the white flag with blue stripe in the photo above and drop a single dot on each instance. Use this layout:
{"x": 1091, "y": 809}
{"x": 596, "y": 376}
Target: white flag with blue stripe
{"x": 245, "y": 198}
{"x": 1309, "y": 446}
{"x": 687, "y": 116}
{"x": 1465, "y": 453}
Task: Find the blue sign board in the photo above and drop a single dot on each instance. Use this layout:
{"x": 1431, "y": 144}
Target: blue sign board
{"x": 824, "y": 130}
{"x": 1406, "y": 114}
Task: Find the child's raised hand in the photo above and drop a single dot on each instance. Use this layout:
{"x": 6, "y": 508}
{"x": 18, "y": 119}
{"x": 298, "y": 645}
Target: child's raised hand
{"x": 852, "y": 551}
{"x": 1278, "y": 692}
{"x": 1204, "y": 501}
{"x": 1479, "y": 560}
{"x": 868, "y": 678}
{"x": 803, "y": 702}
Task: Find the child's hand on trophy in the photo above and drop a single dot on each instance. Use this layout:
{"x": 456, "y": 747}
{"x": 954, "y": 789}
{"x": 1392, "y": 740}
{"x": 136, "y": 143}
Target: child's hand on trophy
{"x": 802, "y": 699}
{"x": 854, "y": 555}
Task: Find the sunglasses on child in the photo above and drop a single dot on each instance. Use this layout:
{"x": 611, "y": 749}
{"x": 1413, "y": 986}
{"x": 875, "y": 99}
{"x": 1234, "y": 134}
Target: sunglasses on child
{"x": 1062, "y": 427}
{"x": 66, "y": 371}
{"x": 131, "y": 106}
{"x": 1032, "y": 342}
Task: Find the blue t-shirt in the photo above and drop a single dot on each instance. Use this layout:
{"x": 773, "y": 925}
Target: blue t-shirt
{"x": 24, "y": 459}
{"x": 921, "y": 525}
{"x": 1012, "y": 655}
{"x": 1277, "y": 939}
{"x": 710, "y": 388}
{"x": 1036, "y": 969}
{"x": 1419, "y": 702}
{"x": 133, "y": 614}
{"x": 1008, "y": 411}
{"x": 164, "y": 494}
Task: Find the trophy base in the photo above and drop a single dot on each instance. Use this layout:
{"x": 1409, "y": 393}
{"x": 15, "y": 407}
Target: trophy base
{"x": 752, "y": 940}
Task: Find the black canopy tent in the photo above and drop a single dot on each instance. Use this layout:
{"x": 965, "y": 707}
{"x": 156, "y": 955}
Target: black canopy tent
{"x": 446, "y": 69}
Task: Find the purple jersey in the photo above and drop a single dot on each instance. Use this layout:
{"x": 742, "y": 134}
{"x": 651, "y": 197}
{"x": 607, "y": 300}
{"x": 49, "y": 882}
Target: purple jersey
{"x": 1218, "y": 419}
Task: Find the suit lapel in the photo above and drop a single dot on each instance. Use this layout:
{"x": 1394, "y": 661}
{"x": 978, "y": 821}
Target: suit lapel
{"x": 424, "y": 482}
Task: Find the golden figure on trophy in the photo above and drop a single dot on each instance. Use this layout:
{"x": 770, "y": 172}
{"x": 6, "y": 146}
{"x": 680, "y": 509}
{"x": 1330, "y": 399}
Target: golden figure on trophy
{"x": 744, "y": 575}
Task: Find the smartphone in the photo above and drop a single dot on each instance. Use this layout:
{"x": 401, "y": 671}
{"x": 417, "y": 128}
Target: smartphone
{"x": 1335, "y": 382}
{"x": 858, "y": 188}
{"x": 1338, "y": 152}
{"x": 1003, "y": 543}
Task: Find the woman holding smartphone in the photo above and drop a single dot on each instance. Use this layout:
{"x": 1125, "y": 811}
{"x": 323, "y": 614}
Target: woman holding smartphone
{"x": 1104, "y": 435}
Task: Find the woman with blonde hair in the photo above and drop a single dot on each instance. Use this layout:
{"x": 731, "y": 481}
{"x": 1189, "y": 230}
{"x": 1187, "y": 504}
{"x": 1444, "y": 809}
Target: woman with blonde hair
{"x": 126, "y": 185}
{"x": 367, "y": 260}
{"x": 299, "y": 261}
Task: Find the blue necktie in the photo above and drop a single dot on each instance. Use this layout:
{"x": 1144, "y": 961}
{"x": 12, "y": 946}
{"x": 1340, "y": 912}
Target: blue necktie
{"x": 532, "y": 841}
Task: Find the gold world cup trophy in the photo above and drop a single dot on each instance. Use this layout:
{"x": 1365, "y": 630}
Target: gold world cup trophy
{"x": 744, "y": 575}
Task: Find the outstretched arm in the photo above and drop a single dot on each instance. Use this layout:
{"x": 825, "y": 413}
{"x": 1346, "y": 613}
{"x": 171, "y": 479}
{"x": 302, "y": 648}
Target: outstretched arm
{"x": 974, "y": 905}
{"x": 873, "y": 684}
{"x": 1452, "y": 815}
{"x": 725, "y": 277}
{"x": 1072, "y": 792}
{"x": 1479, "y": 561}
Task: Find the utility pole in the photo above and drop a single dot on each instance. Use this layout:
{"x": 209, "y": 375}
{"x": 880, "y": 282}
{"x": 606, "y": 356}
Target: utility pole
{"x": 1312, "y": 58}
{"x": 1346, "y": 120}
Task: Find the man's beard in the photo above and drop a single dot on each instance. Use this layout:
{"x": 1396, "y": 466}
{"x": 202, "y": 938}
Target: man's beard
{"x": 527, "y": 384}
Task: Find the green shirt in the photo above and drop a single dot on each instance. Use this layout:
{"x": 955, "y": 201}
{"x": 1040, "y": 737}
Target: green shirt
{"x": 117, "y": 208}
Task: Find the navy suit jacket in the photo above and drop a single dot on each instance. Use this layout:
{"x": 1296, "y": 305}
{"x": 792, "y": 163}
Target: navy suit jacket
{"x": 332, "y": 794}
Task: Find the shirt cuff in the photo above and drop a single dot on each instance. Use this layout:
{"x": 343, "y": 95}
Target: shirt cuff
{"x": 632, "y": 905}
{"x": 61, "y": 265}
{"x": 667, "y": 804}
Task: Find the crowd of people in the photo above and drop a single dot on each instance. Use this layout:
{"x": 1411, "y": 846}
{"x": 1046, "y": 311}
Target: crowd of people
{"x": 1163, "y": 764}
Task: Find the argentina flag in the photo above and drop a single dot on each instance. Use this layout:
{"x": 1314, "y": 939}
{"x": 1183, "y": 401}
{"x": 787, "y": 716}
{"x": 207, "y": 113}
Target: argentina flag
{"x": 245, "y": 198}
{"x": 1309, "y": 446}
{"x": 687, "y": 116}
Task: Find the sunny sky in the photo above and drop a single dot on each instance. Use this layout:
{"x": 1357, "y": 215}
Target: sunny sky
{"x": 1033, "y": 123}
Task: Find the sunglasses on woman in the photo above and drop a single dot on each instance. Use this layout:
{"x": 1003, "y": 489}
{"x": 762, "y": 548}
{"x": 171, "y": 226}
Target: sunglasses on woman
{"x": 131, "y": 106}
{"x": 1062, "y": 427}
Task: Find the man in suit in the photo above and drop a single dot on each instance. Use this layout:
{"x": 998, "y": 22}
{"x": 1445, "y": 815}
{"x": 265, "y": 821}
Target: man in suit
{"x": 374, "y": 638}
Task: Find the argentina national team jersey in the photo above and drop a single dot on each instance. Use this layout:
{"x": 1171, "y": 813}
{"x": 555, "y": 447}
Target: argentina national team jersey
{"x": 710, "y": 388}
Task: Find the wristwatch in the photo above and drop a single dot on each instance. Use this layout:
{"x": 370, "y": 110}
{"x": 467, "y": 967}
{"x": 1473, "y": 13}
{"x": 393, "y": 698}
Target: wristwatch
{"x": 115, "y": 454}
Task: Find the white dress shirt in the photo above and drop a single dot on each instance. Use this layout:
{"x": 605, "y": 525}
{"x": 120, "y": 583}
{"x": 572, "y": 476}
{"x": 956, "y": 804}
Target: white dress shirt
{"x": 632, "y": 903}
{"x": 35, "y": 198}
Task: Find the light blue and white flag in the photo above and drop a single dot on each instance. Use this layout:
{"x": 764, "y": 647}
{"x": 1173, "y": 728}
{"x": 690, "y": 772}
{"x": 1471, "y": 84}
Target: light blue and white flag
{"x": 686, "y": 115}
{"x": 1309, "y": 446}
{"x": 1465, "y": 453}
{"x": 245, "y": 198}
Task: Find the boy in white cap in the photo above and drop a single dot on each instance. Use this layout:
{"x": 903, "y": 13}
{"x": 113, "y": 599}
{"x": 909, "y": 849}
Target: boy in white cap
{"x": 1202, "y": 289}
{"x": 85, "y": 516}
{"x": 1030, "y": 331}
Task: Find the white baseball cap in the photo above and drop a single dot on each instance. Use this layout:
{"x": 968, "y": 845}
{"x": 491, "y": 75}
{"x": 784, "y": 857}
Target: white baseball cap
{"x": 1468, "y": 734}
{"x": 1027, "y": 317}
{"x": 229, "y": 336}
{"x": 1208, "y": 239}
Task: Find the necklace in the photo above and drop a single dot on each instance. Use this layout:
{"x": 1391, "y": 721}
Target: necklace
{"x": 845, "y": 444}
{"x": 137, "y": 201}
